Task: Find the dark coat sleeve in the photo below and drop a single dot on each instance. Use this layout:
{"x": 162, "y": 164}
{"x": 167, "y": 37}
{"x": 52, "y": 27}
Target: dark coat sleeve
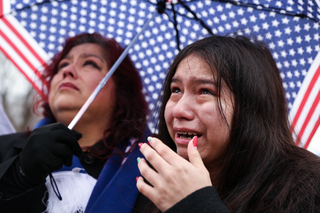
{"x": 203, "y": 200}
{"x": 10, "y": 147}
{"x": 30, "y": 200}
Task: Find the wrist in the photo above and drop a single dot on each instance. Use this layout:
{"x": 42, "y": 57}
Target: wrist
{"x": 28, "y": 179}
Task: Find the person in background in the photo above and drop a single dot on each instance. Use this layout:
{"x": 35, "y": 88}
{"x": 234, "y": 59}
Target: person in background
{"x": 39, "y": 167}
{"x": 225, "y": 142}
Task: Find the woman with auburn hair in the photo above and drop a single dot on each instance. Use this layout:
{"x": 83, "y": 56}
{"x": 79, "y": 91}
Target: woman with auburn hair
{"x": 99, "y": 147}
{"x": 224, "y": 116}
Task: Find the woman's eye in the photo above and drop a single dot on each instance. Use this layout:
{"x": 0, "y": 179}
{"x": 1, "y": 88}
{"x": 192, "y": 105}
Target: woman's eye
{"x": 92, "y": 63}
{"x": 62, "y": 65}
{"x": 175, "y": 90}
{"x": 206, "y": 92}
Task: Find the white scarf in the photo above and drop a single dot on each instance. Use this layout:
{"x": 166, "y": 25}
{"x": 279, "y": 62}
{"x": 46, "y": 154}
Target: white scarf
{"x": 75, "y": 189}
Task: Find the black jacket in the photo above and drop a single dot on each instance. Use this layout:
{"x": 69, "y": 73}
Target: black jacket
{"x": 205, "y": 200}
{"x": 30, "y": 200}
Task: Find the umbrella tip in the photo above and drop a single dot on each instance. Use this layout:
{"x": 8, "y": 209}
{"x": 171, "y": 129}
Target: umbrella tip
{"x": 161, "y": 6}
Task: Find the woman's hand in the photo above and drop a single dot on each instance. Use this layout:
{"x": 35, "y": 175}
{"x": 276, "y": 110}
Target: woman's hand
{"x": 175, "y": 178}
{"x": 47, "y": 149}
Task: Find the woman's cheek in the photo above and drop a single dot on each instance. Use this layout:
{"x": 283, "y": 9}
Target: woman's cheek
{"x": 167, "y": 113}
{"x": 169, "y": 118}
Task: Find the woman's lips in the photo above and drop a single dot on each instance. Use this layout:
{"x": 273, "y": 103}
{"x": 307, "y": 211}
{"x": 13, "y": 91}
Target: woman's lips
{"x": 68, "y": 86}
{"x": 182, "y": 141}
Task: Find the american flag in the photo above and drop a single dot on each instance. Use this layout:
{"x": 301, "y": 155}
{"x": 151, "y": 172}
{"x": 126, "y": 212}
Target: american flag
{"x": 31, "y": 32}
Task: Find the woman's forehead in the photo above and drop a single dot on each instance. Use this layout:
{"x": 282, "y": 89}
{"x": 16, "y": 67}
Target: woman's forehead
{"x": 194, "y": 66}
{"x": 85, "y": 48}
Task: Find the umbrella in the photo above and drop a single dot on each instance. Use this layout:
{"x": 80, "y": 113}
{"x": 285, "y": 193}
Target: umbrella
{"x": 31, "y": 31}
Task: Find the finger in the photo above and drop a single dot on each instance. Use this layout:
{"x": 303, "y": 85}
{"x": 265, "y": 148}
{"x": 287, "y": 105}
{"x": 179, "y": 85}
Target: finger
{"x": 64, "y": 134}
{"x": 171, "y": 157}
{"x": 147, "y": 172}
{"x": 145, "y": 188}
{"x": 193, "y": 153}
{"x": 68, "y": 139}
{"x": 154, "y": 158}
{"x": 51, "y": 162}
{"x": 62, "y": 152}
{"x": 76, "y": 134}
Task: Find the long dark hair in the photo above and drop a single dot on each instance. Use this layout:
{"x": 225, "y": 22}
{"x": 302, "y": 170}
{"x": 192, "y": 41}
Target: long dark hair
{"x": 129, "y": 117}
{"x": 262, "y": 169}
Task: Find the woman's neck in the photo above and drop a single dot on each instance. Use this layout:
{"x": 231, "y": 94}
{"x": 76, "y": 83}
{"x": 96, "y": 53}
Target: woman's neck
{"x": 90, "y": 126}
{"x": 92, "y": 132}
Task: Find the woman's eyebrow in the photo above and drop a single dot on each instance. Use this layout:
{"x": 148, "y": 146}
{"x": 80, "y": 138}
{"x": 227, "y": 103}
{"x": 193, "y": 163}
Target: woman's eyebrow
{"x": 85, "y": 55}
{"x": 204, "y": 81}
{"x": 175, "y": 80}
{"x": 197, "y": 81}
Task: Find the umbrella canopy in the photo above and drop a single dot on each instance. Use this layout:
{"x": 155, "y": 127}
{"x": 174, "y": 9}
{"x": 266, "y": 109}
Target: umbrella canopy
{"x": 31, "y": 31}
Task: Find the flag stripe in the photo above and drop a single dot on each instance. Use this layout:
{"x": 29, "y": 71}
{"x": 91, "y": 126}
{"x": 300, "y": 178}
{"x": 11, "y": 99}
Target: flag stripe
{"x": 314, "y": 129}
{"x": 19, "y": 63}
{"x": 26, "y": 39}
{"x": 304, "y": 119}
{"x": 305, "y": 97}
{"x": 1, "y": 8}
{"x": 18, "y": 51}
{"x": 22, "y": 49}
{"x": 309, "y": 115}
{"x": 310, "y": 125}
{"x": 23, "y": 45}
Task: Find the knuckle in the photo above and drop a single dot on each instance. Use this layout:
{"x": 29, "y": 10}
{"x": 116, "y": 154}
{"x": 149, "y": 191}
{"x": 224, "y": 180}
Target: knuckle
{"x": 161, "y": 151}
{"x": 149, "y": 156}
{"x": 171, "y": 177}
{"x": 168, "y": 175}
{"x": 143, "y": 170}
{"x": 141, "y": 188}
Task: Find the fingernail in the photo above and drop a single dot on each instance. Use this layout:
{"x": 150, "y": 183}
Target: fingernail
{"x": 195, "y": 141}
{"x": 138, "y": 159}
{"x": 150, "y": 141}
{"x": 137, "y": 178}
{"x": 140, "y": 145}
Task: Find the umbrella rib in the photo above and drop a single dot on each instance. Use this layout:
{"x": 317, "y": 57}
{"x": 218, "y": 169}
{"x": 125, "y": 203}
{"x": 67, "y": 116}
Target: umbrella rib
{"x": 267, "y": 9}
{"x": 175, "y": 24}
{"x": 196, "y": 17}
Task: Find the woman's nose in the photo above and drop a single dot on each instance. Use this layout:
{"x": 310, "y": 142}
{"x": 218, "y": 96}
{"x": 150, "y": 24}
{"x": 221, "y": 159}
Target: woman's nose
{"x": 69, "y": 70}
{"x": 183, "y": 109}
